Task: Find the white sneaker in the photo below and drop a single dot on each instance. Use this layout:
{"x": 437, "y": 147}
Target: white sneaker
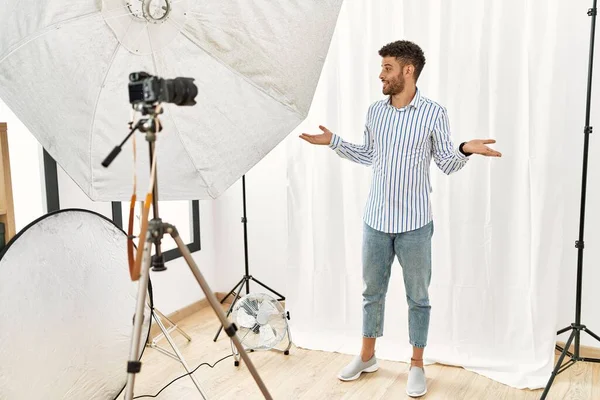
{"x": 416, "y": 386}
{"x": 356, "y": 367}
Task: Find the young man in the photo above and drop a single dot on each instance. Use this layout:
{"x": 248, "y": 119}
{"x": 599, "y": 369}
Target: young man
{"x": 402, "y": 134}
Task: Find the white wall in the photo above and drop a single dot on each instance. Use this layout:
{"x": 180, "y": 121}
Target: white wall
{"x": 26, "y": 169}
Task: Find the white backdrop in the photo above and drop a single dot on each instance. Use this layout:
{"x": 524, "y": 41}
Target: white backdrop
{"x": 502, "y": 69}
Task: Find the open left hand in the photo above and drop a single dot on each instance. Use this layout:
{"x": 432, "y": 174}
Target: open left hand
{"x": 478, "y": 146}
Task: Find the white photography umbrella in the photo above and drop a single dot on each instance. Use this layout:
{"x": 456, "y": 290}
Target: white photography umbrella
{"x": 65, "y": 65}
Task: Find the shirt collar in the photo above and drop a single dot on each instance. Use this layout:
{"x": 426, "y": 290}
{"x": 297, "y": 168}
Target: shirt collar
{"x": 414, "y": 102}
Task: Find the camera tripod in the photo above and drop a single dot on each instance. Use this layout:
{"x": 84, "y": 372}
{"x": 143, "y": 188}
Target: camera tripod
{"x": 155, "y": 230}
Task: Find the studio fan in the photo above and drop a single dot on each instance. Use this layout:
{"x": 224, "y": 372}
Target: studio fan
{"x": 261, "y": 322}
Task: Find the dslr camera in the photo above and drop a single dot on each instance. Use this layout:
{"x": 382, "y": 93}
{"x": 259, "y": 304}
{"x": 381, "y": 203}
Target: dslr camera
{"x": 149, "y": 90}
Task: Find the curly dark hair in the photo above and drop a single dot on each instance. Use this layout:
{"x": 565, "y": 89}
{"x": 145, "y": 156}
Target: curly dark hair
{"x": 406, "y": 53}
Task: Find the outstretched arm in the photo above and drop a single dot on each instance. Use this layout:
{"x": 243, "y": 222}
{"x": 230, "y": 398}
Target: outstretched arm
{"x": 362, "y": 154}
{"x": 449, "y": 159}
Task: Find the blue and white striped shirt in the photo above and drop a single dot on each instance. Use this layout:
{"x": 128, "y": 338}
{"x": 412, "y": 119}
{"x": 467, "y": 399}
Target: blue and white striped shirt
{"x": 399, "y": 143}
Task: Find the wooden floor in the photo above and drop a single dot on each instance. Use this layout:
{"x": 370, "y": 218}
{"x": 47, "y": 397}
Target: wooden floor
{"x": 312, "y": 374}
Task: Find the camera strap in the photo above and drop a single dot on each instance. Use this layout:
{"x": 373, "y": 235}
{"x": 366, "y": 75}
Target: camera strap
{"x": 130, "y": 255}
{"x": 135, "y": 271}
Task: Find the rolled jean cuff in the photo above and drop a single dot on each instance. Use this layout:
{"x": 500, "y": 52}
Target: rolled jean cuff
{"x": 372, "y": 335}
{"x": 420, "y": 346}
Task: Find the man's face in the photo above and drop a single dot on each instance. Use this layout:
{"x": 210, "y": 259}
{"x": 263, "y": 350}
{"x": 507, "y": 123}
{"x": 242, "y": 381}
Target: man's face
{"x": 391, "y": 76}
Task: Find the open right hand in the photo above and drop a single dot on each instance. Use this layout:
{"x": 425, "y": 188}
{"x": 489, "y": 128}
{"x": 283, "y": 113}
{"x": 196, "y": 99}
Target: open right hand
{"x": 321, "y": 139}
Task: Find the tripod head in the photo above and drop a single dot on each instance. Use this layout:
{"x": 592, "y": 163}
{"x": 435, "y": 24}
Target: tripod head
{"x": 150, "y": 123}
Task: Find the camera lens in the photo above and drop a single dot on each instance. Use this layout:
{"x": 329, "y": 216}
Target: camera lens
{"x": 181, "y": 91}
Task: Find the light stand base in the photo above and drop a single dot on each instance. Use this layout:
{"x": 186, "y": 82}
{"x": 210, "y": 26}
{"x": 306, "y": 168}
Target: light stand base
{"x": 573, "y": 357}
{"x": 165, "y": 331}
{"x": 236, "y": 291}
{"x": 175, "y": 354}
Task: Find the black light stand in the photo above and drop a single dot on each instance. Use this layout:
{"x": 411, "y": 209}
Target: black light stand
{"x": 577, "y": 327}
{"x": 247, "y": 277}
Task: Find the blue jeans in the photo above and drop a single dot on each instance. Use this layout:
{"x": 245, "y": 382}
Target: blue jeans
{"x": 413, "y": 250}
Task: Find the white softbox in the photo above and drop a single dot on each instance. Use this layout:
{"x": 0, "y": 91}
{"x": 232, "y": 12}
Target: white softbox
{"x": 64, "y": 72}
{"x": 67, "y": 307}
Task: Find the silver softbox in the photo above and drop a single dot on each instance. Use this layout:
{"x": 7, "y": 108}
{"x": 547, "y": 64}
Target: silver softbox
{"x": 64, "y": 68}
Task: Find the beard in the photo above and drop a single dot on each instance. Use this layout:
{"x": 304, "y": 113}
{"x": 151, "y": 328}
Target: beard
{"x": 394, "y": 86}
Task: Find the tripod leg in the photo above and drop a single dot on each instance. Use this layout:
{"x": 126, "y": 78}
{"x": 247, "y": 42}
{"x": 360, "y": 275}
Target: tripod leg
{"x": 281, "y": 297}
{"x": 134, "y": 365}
{"x": 592, "y": 334}
{"x": 163, "y": 316}
{"x": 558, "y": 365}
{"x": 212, "y": 299}
{"x": 564, "y": 330}
{"x": 289, "y": 346}
{"x": 240, "y": 283}
{"x": 237, "y": 297}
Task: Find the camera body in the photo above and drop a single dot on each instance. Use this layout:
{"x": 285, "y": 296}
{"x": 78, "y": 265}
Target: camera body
{"x": 149, "y": 90}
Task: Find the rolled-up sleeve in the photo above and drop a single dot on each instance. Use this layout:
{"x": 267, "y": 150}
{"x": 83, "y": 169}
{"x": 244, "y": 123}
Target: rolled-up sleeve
{"x": 448, "y": 158}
